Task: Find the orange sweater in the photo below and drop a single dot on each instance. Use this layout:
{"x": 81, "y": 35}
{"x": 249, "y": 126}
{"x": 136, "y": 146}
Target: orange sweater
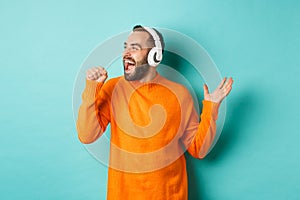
{"x": 152, "y": 124}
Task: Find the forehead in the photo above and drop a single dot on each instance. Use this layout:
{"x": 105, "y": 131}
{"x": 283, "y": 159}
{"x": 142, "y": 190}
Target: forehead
{"x": 138, "y": 37}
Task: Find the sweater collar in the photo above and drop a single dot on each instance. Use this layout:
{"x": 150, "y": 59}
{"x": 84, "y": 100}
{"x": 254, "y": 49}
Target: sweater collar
{"x": 155, "y": 80}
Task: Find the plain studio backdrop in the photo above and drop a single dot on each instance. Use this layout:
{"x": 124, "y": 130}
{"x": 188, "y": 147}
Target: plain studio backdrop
{"x": 44, "y": 43}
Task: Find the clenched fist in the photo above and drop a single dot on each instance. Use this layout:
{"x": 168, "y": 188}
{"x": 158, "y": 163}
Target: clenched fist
{"x": 98, "y": 74}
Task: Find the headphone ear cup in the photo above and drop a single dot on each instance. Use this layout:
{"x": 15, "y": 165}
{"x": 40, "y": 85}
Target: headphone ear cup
{"x": 154, "y": 57}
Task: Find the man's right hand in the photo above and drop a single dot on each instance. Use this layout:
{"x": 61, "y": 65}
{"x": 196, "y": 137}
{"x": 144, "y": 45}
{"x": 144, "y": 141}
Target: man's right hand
{"x": 98, "y": 74}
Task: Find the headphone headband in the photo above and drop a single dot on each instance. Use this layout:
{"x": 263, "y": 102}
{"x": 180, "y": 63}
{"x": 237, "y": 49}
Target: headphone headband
{"x": 154, "y": 35}
{"x": 155, "y": 54}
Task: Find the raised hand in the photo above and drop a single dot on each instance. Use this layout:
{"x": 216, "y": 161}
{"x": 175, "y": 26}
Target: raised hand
{"x": 98, "y": 74}
{"x": 220, "y": 93}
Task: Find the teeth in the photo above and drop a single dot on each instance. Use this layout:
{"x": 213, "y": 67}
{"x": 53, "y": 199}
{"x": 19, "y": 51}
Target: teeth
{"x": 130, "y": 62}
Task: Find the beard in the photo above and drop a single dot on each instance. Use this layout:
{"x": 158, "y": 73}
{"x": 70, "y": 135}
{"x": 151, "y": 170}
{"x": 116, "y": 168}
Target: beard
{"x": 139, "y": 72}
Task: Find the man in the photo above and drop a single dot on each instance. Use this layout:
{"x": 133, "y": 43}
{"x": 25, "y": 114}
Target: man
{"x": 153, "y": 121}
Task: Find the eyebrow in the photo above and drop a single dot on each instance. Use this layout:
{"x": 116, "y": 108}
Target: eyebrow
{"x": 134, "y": 44}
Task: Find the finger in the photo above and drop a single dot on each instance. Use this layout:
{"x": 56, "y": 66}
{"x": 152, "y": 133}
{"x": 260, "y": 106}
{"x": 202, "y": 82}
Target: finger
{"x": 103, "y": 72}
{"x": 89, "y": 71}
{"x": 205, "y": 88}
{"x": 89, "y": 74}
{"x": 98, "y": 71}
{"x": 228, "y": 83}
{"x": 101, "y": 68}
{"x": 92, "y": 77}
{"x": 93, "y": 73}
{"x": 227, "y": 91}
{"x": 89, "y": 77}
{"x": 94, "y": 70}
{"x": 222, "y": 82}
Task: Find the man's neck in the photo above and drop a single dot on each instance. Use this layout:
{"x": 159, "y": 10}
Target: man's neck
{"x": 149, "y": 76}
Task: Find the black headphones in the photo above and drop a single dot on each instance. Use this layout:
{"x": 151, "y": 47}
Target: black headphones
{"x": 155, "y": 54}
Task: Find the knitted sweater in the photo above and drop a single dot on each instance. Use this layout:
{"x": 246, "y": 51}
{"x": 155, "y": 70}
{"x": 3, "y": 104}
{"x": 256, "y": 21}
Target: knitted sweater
{"x": 152, "y": 124}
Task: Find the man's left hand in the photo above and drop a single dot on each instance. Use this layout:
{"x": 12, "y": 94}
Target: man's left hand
{"x": 220, "y": 93}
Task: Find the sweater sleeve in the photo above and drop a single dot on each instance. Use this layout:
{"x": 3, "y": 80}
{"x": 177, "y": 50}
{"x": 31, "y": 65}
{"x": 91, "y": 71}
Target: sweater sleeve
{"x": 93, "y": 115}
{"x": 199, "y": 137}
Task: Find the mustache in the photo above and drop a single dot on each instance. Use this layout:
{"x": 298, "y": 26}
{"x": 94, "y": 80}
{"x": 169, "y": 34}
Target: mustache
{"x": 128, "y": 57}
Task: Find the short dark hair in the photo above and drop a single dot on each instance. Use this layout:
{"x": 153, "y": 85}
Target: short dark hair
{"x": 141, "y": 28}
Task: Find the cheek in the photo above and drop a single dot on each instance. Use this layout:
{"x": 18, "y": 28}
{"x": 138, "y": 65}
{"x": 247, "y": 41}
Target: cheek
{"x": 141, "y": 57}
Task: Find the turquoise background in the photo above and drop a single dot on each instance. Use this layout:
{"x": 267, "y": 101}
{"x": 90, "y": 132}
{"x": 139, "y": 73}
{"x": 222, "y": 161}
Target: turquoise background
{"x": 43, "y": 45}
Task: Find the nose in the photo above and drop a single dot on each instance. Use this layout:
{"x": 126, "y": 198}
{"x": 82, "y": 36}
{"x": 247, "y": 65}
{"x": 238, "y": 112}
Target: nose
{"x": 126, "y": 52}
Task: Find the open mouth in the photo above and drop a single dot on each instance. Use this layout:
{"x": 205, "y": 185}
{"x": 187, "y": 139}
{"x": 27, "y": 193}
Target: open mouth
{"x": 129, "y": 64}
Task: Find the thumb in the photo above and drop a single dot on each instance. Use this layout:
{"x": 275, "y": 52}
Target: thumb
{"x": 205, "y": 88}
